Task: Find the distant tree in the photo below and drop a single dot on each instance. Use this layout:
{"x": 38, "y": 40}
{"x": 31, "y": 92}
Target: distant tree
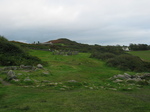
{"x": 136, "y": 47}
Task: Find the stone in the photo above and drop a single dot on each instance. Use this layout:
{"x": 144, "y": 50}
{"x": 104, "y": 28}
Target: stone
{"x": 7, "y": 68}
{"x": 27, "y": 79}
{"x": 72, "y": 81}
{"x": 137, "y": 79}
{"x": 90, "y": 87}
{"x": 133, "y": 80}
{"x": 14, "y": 68}
{"x": 21, "y": 66}
{"x": 40, "y": 66}
{"x": 46, "y": 73}
{"x": 19, "y": 74}
{"x": 146, "y": 76}
{"x": 45, "y": 81}
{"x": 118, "y": 80}
{"x": 62, "y": 89}
{"x": 16, "y": 80}
{"x": 113, "y": 89}
{"x": 121, "y": 76}
{"x": 11, "y": 75}
{"x": 127, "y": 75}
{"x": 34, "y": 68}
{"x": 26, "y": 67}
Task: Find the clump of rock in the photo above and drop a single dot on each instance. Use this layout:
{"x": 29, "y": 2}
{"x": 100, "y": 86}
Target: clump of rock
{"x": 21, "y": 67}
{"x": 40, "y": 66}
{"x": 11, "y": 75}
{"x": 138, "y": 78}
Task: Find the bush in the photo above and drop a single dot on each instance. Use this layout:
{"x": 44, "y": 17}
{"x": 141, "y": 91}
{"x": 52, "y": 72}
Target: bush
{"x": 103, "y": 56}
{"x": 129, "y": 62}
{"x": 11, "y": 54}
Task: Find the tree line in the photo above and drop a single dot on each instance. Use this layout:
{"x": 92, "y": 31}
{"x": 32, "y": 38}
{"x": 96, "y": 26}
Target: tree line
{"x": 137, "y": 47}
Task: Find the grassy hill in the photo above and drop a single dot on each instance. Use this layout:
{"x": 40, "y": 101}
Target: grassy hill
{"x": 90, "y": 89}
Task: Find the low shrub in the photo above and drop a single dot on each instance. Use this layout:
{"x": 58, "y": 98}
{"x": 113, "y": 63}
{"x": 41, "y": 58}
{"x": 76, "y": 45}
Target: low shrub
{"x": 129, "y": 62}
{"x": 103, "y": 56}
{"x": 11, "y": 54}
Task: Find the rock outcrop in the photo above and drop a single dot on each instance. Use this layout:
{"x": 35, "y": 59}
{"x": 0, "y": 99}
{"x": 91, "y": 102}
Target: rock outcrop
{"x": 11, "y": 75}
{"x": 138, "y": 78}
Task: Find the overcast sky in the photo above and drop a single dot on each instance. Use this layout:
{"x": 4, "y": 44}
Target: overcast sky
{"x": 104, "y": 22}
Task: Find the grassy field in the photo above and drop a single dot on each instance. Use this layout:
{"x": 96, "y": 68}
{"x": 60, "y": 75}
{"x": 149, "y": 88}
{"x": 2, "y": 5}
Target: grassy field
{"x": 145, "y": 55}
{"x": 92, "y": 91}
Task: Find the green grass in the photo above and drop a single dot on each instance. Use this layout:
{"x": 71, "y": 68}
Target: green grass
{"x": 77, "y": 67}
{"x": 46, "y": 100}
{"x": 92, "y": 92}
{"x": 145, "y": 55}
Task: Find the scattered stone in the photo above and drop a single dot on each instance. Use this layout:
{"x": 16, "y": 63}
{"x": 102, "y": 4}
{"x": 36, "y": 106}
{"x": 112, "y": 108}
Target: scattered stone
{"x": 35, "y": 80}
{"x": 121, "y": 76}
{"x": 102, "y": 87}
{"x": 113, "y": 89}
{"x": 118, "y": 81}
{"x": 7, "y": 68}
{"x": 52, "y": 84}
{"x": 34, "y": 68}
{"x": 14, "y": 68}
{"x": 72, "y": 81}
{"x": 19, "y": 74}
{"x": 26, "y": 67}
{"x": 146, "y": 76}
{"x": 38, "y": 86}
{"x": 129, "y": 88}
{"x": 11, "y": 75}
{"x": 46, "y": 73}
{"x": 45, "y": 81}
{"x": 142, "y": 79}
{"x": 27, "y": 79}
{"x": 40, "y": 66}
{"x": 90, "y": 87}
{"x": 16, "y": 80}
{"x": 127, "y": 75}
{"x": 63, "y": 89}
{"x": 64, "y": 86}
{"x": 21, "y": 66}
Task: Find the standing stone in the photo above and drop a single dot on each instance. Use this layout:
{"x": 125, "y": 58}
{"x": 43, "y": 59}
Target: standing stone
{"x": 11, "y": 75}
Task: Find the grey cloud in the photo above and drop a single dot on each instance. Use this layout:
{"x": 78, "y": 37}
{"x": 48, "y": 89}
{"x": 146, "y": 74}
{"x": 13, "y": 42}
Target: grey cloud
{"x": 86, "y": 21}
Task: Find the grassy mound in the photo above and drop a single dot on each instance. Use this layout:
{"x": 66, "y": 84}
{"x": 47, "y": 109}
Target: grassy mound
{"x": 123, "y": 61}
{"x": 11, "y": 54}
